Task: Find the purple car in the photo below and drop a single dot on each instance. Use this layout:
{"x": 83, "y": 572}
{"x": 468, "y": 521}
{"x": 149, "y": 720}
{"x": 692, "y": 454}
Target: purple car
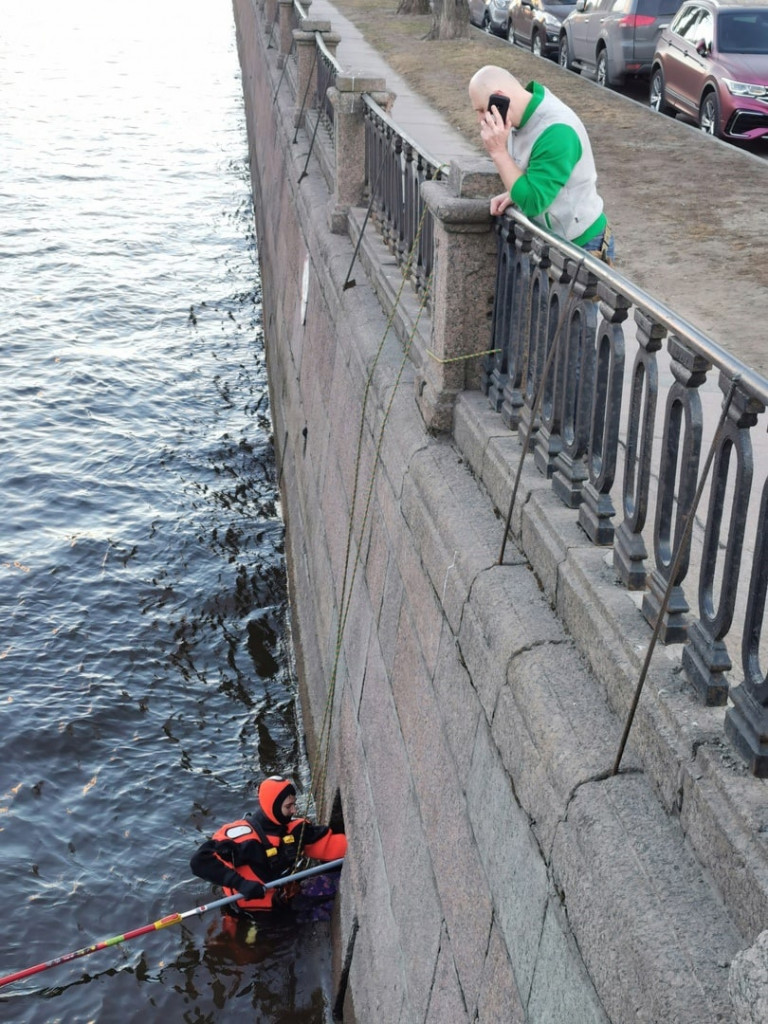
{"x": 712, "y": 64}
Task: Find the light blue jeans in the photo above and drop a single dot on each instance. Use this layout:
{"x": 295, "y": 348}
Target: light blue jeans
{"x": 595, "y": 245}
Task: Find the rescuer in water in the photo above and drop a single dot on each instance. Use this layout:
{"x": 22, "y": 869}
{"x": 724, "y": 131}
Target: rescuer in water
{"x": 243, "y": 854}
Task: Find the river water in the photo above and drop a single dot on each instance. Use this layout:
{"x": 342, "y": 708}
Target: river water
{"x": 145, "y": 659}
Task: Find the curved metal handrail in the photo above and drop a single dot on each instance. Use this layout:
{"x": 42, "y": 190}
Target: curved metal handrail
{"x": 752, "y": 381}
{"x": 371, "y": 103}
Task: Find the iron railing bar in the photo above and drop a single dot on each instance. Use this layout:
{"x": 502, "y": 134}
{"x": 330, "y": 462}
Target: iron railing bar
{"x": 327, "y": 53}
{"x": 755, "y": 384}
{"x": 379, "y": 112}
{"x": 548, "y": 364}
{"x": 673, "y": 570}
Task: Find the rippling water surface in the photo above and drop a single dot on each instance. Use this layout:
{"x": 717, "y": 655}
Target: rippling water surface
{"x": 143, "y": 652}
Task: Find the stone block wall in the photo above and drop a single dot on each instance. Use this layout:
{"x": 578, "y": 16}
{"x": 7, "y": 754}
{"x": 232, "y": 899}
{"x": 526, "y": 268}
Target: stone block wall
{"x": 495, "y": 872}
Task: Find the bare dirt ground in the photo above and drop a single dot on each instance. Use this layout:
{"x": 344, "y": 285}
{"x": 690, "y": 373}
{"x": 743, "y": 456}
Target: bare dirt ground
{"x": 689, "y": 212}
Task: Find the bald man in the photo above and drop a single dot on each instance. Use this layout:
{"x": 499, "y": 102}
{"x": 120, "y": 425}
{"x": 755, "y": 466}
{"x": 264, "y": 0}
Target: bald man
{"x": 543, "y": 156}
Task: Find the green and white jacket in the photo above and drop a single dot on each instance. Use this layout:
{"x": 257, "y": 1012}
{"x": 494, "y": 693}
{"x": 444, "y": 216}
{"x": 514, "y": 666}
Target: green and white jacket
{"x": 558, "y": 188}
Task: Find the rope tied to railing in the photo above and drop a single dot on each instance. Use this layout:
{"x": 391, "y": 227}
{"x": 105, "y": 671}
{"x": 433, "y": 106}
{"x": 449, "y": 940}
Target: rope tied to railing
{"x": 459, "y": 359}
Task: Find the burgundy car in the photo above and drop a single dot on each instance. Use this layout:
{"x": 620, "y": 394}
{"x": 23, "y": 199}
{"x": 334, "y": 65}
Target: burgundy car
{"x": 712, "y": 64}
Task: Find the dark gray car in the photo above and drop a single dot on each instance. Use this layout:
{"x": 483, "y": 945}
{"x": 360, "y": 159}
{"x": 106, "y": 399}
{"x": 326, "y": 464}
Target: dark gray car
{"x": 614, "y": 38}
{"x": 535, "y": 24}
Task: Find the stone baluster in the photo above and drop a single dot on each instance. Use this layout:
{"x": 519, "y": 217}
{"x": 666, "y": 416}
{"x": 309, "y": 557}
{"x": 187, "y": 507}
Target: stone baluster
{"x": 746, "y": 723}
{"x": 705, "y": 658}
{"x": 285, "y": 21}
{"x": 629, "y": 551}
{"x": 680, "y": 451}
{"x": 464, "y": 264}
{"x": 516, "y": 344}
{"x": 577, "y": 349}
{"x": 548, "y": 436}
{"x": 426, "y": 255}
{"x": 306, "y": 65}
{"x": 270, "y": 18}
{"x": 349, "y": 141}
{"x": 493, "y": 376}
{"x": 376, "y": 164}
{"x": 536, "y": 341}
{"x": 596, "y": 510}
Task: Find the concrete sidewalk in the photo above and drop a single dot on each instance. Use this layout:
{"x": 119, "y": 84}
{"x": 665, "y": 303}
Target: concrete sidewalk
{"x": 413, "y": 114}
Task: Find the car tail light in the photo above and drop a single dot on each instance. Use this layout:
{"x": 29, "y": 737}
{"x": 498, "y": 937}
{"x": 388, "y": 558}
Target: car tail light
{"x": 636, "y": 20}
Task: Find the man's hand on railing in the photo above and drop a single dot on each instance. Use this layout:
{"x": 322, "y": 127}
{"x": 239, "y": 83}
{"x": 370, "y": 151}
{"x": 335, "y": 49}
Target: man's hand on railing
{"x": 500, "y": 203}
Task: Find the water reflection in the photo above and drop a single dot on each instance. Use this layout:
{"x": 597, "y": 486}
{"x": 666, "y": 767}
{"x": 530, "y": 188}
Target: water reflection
{"x": 147, "y": 679}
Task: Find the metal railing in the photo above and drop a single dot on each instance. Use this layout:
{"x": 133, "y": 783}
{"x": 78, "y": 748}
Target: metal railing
{"x": 327, "y": 70}
{"x": 298, "y": 14}
{"x": 395, "y": 167}
{"x": 623, "y": 421}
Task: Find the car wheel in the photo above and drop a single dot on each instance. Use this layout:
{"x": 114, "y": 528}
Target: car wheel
{"x": 537, "y": 47}
{"x": 601, "y": 69}
{"x": 709, "y": 115}
{"x": 564, "y": 54}
{"x": 657, "y": 100}
{"x": 510, "y": 33}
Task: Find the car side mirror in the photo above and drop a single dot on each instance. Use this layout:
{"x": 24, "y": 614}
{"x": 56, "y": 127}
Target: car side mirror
{"x": 581, "y": 5}
{"x": 702, "y": 48}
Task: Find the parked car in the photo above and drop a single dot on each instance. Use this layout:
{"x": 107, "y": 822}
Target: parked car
{"x": 498, "y": 18}
{"x": 536, "y": 24}
{"x": 613, "y": 38}
{"x": 478, "y": 13}
{"x": 491, "y": 15}
{"x": 712, "y": 64}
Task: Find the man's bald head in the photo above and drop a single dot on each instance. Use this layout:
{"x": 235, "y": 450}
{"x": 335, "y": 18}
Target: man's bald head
{"x": 492, "y": 79}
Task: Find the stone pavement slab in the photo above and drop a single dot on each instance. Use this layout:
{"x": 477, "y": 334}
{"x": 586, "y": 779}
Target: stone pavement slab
{"x": 412, "y": 113}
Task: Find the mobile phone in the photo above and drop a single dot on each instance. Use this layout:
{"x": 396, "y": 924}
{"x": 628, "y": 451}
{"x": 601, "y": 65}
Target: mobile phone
{"x": 501, "y": 103}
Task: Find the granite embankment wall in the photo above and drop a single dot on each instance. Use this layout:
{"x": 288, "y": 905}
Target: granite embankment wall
{"x": 496, "y": 871}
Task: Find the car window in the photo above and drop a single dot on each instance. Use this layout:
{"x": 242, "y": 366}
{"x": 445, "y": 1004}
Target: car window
{"x": 621, "y": 6}
{"x": 657, "y": 8}
{"x": 705, "y": 28}
{"x": 686, "y": 20}
{"x": 743, "y": 31}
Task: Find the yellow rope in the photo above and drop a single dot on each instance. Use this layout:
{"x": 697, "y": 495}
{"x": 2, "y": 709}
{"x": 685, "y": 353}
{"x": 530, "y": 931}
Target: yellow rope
{"x": 458, "y": 359}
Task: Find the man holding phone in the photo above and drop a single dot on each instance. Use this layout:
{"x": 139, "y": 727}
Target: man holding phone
{"x": 543, "y": 155}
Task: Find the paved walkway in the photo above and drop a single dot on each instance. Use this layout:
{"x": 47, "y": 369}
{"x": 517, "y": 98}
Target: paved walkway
{"x": 412, "y": 113}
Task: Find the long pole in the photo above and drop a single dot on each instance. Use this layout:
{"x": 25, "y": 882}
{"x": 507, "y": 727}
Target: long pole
{"x": 164, "y": 922}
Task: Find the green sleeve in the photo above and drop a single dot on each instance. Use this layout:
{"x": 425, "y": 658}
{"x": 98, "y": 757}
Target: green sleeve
{"x": 554, "y": 155}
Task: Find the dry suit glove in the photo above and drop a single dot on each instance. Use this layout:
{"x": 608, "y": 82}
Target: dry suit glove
{"x": 251, "y": 890}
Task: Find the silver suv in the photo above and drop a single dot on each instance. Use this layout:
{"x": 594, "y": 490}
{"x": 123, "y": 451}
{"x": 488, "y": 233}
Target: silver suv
{"x": 613, "y": 38}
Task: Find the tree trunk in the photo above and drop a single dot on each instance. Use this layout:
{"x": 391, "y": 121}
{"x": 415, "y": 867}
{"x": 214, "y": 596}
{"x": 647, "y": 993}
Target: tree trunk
{"x": 414, "y": 7}
{"x": 450, "y": 20}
